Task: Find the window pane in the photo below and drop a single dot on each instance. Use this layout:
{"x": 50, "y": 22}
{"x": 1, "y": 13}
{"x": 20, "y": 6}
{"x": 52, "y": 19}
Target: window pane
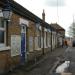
{"x": 1, "y": 22}
{"x": 1, "y": 36}
{"x": 39, "y": 41}
{"x": 30, "y": 43}
{"x": 36, "y": 42}
{"x": 46, "y": 38}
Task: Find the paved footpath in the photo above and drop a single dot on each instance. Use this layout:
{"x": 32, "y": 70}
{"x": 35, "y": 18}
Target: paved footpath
{"x": 43, "y": 66}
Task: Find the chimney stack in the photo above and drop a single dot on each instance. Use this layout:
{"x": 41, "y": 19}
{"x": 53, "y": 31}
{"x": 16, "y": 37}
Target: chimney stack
{"x": 43, "y": 15}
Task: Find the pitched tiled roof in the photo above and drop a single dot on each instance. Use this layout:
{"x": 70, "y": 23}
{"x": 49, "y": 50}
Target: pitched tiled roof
{"x": 58, "y": 28}
{"x": 17, "y": 8}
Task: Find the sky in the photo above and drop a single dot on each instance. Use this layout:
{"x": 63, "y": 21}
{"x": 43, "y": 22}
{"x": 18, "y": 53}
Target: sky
{"x": 56, "y": 11}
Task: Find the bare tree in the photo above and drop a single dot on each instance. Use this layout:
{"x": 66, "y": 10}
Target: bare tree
{"x": 71, "y": 31}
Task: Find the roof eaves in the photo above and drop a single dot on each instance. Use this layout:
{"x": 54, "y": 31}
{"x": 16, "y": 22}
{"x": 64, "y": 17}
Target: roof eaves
{"x": 18, "y": 9}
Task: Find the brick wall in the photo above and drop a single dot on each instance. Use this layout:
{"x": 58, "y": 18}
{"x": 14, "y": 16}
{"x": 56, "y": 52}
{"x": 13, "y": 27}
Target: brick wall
{"x": 14, "y": 27}
{"x": 5, "y": 61}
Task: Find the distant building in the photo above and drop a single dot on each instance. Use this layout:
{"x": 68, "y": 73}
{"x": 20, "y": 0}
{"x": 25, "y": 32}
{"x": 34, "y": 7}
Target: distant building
{"x": 60, "y": 34}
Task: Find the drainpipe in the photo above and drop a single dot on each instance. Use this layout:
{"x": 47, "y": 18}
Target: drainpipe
{"x": 43, "y": 18}
{"x": 51, "y": 40}
{"x": 43, "y": 39}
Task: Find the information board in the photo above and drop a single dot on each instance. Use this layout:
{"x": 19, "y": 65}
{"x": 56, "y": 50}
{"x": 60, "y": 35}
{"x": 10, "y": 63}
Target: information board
{"x": 15, "y": 45}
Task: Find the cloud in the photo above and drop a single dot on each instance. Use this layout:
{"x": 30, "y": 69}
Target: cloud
{"x": 55, "y": 3}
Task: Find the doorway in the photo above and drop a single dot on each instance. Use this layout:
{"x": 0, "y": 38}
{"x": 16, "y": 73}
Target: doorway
{"x": 23, "y": 43}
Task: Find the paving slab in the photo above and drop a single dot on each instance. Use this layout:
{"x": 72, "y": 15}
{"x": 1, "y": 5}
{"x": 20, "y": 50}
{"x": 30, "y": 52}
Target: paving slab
{"x": 44, "y": 66}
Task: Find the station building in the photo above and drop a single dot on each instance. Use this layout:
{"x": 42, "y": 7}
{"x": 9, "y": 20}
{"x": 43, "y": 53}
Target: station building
{"x": 25, "y": 37}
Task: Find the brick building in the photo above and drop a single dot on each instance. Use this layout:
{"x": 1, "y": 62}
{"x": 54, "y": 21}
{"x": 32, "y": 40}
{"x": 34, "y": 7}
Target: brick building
{"x": 24, "y": 38}
{"x": 59, "y": 34}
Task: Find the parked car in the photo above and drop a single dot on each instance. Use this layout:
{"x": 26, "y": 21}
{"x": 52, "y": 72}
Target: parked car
{"x": 73, "y": 43}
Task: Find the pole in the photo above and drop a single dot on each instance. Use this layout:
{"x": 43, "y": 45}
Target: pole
{"x": 57, "y": 12}
{"x": 43, "y": 20}
{"x": 43, "y": 37}
{"x": 6, "y": 32}
{"x": 51, "y": 40}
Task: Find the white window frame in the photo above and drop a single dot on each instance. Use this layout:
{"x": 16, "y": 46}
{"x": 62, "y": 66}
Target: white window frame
{"x": 45, "y": 46}
{"x": 4, "y": 30}
{"x": 38, "y": 37}
{"x": 48, "y": 39}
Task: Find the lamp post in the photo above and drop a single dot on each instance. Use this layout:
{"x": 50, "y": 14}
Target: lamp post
{"x": 7, "y": 10}
{"x": 7, "y": 15}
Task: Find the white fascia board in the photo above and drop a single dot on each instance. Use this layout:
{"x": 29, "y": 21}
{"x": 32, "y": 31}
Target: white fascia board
{"x": 58, "y": 34}
{"x": 40, "y": 28}
{"x": 24, "y": 22}
{"x": 45, "y": 29}
{"x": 48, "y": 30}
{"x": 1, "y": 14}
{"x": 53, "y": 32}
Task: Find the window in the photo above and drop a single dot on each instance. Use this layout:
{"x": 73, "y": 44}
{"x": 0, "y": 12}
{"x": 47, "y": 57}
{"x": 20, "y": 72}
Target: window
{"x": 38, "y": 37}
{"x": 31, "y": 43}
{"x": 39, "y": 40}
{"x": 46, "y": 39}
{"x": 50, "y": 38}
{"x": 2, "y": 32}
{"x": 1, "y": 22}
{"x": 1, "y": 36}
{"x": 36, "y": 42}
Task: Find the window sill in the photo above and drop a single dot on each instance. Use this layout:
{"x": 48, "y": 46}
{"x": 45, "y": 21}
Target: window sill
{"x": 38, "y": 49}
{"x": 30, "y": 51}
{"x": 45, "y": 47}
{"x": 4, "y": 48}
{"x": 49, "y": 46}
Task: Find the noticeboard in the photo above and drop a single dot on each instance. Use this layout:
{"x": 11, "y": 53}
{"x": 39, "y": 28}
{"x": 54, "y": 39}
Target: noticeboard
{"x": 15, "y": 45}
